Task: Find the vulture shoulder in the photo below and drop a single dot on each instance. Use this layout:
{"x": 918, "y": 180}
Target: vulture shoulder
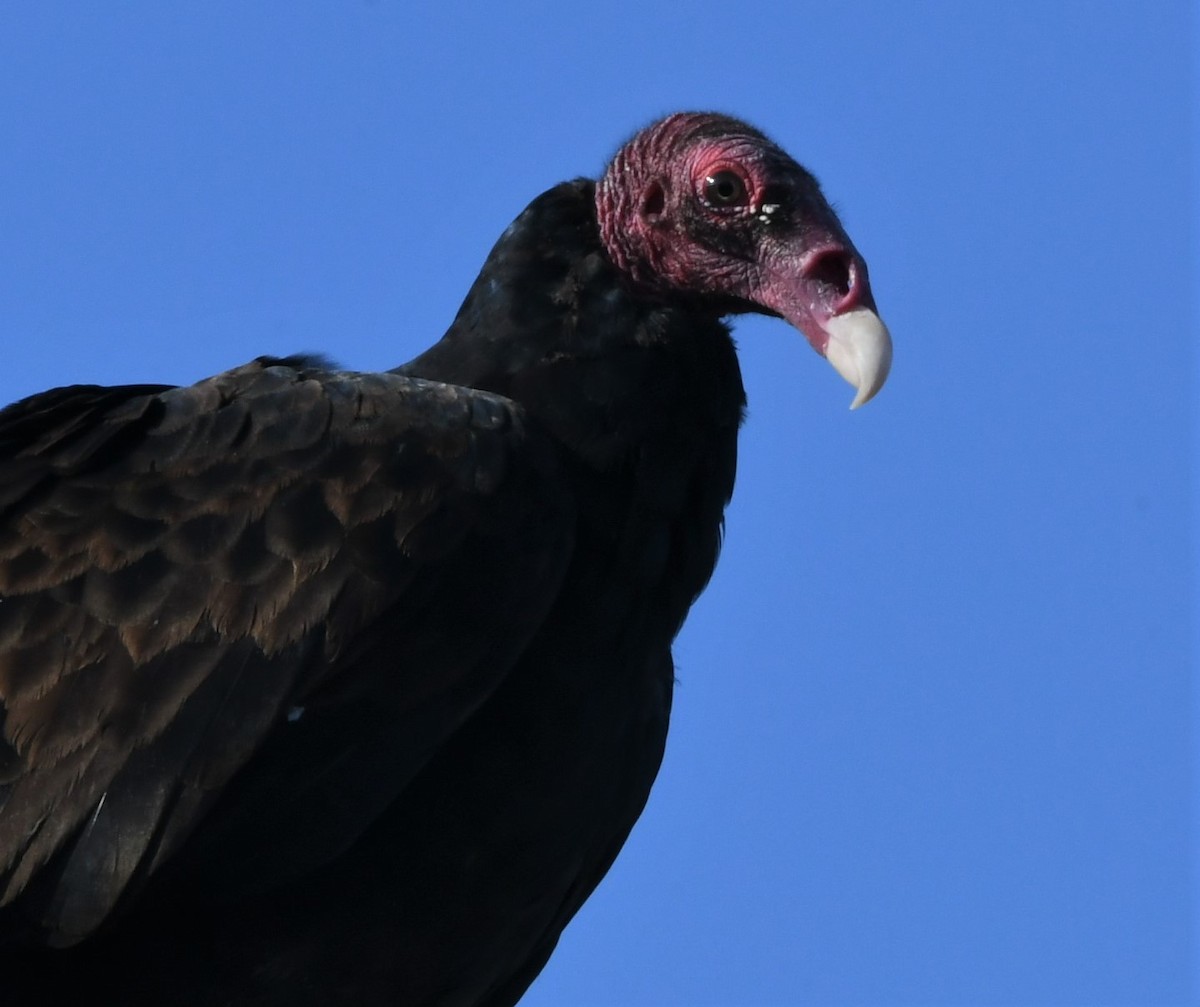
{"x": 189, "y": 576}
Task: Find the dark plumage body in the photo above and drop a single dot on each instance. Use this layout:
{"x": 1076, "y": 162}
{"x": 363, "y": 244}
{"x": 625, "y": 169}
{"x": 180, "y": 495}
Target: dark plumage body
{"x": 335, "y": 688}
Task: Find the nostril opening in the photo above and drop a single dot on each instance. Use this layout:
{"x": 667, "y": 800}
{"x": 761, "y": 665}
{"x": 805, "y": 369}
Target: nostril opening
{"x": 835, "y": 270}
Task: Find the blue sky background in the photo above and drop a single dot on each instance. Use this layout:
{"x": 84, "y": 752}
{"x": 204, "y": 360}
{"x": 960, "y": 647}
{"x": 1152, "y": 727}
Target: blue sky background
{"x": 933, "y": 741}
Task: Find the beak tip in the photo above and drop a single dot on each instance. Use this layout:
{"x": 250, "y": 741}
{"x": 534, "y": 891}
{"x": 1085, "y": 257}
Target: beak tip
{"x": 860, "y": 350}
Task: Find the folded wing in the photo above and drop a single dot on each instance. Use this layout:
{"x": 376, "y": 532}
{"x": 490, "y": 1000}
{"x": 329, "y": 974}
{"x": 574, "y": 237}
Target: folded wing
{"x": 327, "y": 570}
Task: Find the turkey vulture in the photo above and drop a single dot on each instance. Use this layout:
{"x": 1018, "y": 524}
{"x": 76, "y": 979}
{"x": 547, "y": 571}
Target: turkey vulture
{"x": 321, "y": 687}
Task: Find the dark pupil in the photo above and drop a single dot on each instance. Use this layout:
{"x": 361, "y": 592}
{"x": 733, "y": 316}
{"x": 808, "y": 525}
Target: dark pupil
{"x": 724, "y": 187}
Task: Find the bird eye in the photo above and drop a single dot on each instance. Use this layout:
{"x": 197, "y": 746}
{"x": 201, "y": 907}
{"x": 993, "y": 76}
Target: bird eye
{"x": 725, "y": 188}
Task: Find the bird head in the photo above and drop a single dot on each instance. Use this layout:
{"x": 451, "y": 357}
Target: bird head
{"x": 705, "y": 207}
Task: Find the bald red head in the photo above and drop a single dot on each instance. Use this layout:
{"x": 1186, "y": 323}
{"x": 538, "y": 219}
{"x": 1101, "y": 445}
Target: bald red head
{"x": 704, "y": 206}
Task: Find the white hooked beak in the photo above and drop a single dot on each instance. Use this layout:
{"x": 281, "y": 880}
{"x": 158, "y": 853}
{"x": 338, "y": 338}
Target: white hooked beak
{"x": 860, "y": 350}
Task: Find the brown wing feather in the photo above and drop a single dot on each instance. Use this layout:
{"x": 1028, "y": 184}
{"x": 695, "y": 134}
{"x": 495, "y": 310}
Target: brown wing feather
{"x": 180, "y": 568}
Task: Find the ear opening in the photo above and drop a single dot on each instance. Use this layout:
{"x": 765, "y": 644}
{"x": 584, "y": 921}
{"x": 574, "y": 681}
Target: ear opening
{"x": 653, "y": 200}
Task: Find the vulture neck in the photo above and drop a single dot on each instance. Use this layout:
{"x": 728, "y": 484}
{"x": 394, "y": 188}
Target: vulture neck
{"x": 554, "y": 325}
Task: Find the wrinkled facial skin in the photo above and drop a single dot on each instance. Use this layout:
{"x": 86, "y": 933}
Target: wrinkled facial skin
{"x": 705, "y": 205}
